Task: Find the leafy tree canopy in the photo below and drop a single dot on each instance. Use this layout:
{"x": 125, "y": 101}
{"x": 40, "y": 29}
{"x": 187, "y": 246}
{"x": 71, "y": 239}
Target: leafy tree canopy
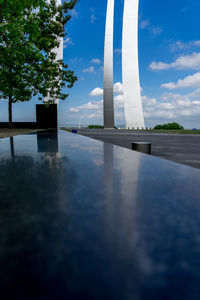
{"x": 30, "y": 30}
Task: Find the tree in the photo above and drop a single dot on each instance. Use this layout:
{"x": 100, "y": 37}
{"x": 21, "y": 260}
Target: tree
{"x": 30, "y": 30}
{"x": 169, "y": 126}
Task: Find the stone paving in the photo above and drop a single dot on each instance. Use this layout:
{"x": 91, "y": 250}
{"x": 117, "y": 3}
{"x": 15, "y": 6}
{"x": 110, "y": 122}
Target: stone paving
{"x": 7, "y": 132}
{"x": 180, "y": 148}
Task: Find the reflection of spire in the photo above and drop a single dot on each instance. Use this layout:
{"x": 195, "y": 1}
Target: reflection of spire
{"x": 48, "y": 143}
{"x": 108, "y": 171}
{"x": 130, "y": 69}
{"x": 121, "y": 187}
{"x": 129, "y": 166}
{"x": 109, "y": 191}
{"x": 121, "y": 182}
{"x": 12, "y": 149}
{"x": 108, "y": 68}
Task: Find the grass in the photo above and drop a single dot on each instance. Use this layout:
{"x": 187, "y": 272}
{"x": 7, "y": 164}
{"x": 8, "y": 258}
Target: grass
{"x": 185, "y": 131}
{"x": 64, "y": 128}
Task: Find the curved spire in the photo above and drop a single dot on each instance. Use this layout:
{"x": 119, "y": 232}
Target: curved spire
{"x": 108, "y": 68}
{"x": 130, "y": 67}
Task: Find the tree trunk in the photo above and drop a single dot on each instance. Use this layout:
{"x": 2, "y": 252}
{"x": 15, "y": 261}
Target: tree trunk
{"x": 10, "y": 111}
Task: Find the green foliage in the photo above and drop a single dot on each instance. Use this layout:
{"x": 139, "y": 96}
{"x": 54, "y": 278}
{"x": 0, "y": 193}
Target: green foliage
{"x": 30, "y": 30}
{"x": 95, "y": 127}
{"x": 169, "y": 126}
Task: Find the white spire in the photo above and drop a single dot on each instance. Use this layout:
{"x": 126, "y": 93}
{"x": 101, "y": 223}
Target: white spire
{"x": 130, "y": 67}
{"x": 108, "y": 68}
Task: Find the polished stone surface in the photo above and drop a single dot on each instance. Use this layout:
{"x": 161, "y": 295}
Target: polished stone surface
{"x": 82, "y": 219}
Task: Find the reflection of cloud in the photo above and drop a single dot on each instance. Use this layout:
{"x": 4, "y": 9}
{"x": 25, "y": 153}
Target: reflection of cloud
{"x": 98, "y": 161}
{"x": 95, "y": 151}
{"x": 88, "y": 148}
{"x": 37, "y": 204}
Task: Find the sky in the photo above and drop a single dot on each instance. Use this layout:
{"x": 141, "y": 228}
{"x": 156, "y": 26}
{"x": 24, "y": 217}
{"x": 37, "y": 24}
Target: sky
{"x": 169, "y": 62}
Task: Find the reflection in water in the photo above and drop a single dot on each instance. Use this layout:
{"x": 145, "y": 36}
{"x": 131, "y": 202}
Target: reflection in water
{"x": 47, "y": 141}
{"x": 108, "y": 171}
{"x": 33, "y": 207}
{"x": 121, "y": 191}
{"x": 98, "y": 222}
{"x": 109, "y": 192}
{"x": 121, "y": 201}
{"x": 130, "y": 165}
{"x": 12, "y": 149}
{"x": 94, "y": 152}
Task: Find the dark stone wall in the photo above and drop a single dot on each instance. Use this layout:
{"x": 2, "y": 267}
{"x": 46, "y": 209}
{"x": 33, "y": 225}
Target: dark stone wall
{"x": 31, "y": 125}
{"x": 46, "y": 117}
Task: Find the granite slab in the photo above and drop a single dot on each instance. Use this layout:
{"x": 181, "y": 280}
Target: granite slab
{"x": 83, "y": 219}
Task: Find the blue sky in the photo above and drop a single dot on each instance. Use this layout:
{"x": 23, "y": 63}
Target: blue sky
{"x": 169, "y": 59}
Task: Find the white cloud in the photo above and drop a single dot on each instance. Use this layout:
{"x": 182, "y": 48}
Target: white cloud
{"x": 101, "y": 69}
{"x": 96, "y": 92}
{"x": 89, "y": 70}
{"x": 174, "y": 96}
{"x": 119, "y": 101}
{"x": 177, "y": 107}
{"x": 196, "y": 102}
{"x": 158, "y": 66}
{"x": 118, "y": 50}
{"x": 95, "y": 61}
{"x": 187, "y": 82}
{"x": 74, "y": 109}
{"x": 146, "y": 24}
{"x": 164, "y": 114}
{"x": 67, "y": 42}
{"x": 183, "y": 62}
{"x": 184, "y": 103}
{"x": 93, "y": 18}
{"x": 156, "y": 30}
{"x": 179, "y": 45}
{"x": 118, "y": 88}
{"x": 148, "y": 101}
{"x": 92, "y": 116}
{"x": 74, "y": 13}
{"x": 87, "y": 106}
{"x": 167, "y": 106}
{"x": 195, "y": 94}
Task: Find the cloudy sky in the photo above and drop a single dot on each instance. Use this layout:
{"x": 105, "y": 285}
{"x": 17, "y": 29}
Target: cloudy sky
{"x": 169, "y": 59}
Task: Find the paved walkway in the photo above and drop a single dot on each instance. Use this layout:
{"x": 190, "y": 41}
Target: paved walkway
{"x": 179, "y": 148}
{"x": 7, "y": 132}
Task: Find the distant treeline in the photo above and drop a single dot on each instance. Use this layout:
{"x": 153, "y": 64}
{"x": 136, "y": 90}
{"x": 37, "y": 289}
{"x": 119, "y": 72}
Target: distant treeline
{"x": 95, "y": 127}
{"x": 169, "y": 126}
